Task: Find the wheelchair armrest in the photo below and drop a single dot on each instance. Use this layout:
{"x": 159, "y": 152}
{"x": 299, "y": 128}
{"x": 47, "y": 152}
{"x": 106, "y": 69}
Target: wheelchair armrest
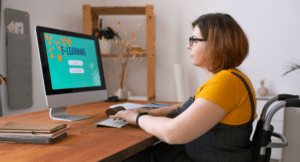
{"x": 287, "y": 103}
{"x": 280, "y": 97}
{"x": 286, "y": 96}
{"x": 282, "y": 144}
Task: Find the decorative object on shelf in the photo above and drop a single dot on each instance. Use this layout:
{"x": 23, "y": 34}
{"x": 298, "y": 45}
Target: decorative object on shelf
{"x": 5, "y": 80}
{"x": 262, "y": 91}
{"x": 122, "y": 94}
{"x": 128, "y": 51}
{"x": 106, "y": 37}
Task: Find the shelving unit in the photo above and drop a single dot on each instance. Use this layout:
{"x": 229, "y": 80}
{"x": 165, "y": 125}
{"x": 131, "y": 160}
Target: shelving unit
{"x": 90, "y": 22}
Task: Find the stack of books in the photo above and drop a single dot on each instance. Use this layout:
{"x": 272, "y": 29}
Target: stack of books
{"x": 32, "y": 133}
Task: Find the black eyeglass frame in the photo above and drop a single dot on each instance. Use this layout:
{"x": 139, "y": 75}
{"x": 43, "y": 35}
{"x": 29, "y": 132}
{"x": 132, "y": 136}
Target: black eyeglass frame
{"x": 192, "y": 39}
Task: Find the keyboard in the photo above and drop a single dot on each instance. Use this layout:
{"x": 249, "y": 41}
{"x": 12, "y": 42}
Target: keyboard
{"x": 109, "y": 122}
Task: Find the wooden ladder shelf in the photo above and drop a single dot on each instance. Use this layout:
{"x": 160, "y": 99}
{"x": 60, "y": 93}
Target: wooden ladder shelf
{"x": 90, "y": 23}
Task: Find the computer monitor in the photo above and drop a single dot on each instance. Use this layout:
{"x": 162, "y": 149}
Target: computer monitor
{"x": 72, "y": 70}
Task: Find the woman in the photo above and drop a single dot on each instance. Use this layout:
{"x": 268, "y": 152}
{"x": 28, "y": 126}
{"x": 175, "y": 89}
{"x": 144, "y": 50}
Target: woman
{"x": 215, "y": 125}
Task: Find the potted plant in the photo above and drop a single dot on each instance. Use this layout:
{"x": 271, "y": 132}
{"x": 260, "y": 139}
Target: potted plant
{"x": 106, "y": 37}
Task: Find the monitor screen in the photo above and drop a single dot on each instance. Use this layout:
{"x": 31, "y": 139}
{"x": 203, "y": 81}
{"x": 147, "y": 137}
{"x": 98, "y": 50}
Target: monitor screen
{"x": 71, "y": 67}
{"x": 73, "y": 62}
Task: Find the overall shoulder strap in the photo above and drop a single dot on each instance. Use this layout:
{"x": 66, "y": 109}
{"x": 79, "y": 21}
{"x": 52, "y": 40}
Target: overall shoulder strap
{"x": 249, "y": 93}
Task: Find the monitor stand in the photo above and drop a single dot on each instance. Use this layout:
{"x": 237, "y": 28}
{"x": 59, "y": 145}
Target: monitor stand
{"x": 60, "y": 113}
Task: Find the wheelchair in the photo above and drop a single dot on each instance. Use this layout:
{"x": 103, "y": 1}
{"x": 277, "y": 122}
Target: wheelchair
{"x": 264, "y": 130}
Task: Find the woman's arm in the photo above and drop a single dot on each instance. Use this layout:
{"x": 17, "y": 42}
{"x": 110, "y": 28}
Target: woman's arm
{"x": 200, "y": 117}
{"x": 170, "y": 111}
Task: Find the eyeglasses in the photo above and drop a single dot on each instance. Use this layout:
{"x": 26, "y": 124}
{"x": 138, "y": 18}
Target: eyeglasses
{"x": 192, "y": 40}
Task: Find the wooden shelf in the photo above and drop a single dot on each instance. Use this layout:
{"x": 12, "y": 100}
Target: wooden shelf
{"x": 90, "y": 22}
{"x": 264, "y": 97}
{"x": 119, "y": 10}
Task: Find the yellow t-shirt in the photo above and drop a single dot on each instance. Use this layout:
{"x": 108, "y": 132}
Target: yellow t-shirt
{"x": 229, "y": 92}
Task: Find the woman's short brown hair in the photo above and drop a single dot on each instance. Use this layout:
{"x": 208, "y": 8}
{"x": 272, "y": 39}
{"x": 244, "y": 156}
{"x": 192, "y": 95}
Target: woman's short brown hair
{"x": 227, "y": 44}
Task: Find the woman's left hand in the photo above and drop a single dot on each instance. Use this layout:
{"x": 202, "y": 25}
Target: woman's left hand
{"x": 128, "y": 115}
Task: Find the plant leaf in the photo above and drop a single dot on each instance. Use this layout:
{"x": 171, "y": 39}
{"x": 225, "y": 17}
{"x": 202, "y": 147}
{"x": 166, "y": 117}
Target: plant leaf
{"x": 293, "y": 67}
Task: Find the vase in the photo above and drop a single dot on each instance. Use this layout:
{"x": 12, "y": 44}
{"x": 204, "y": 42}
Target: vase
{"x": 262, "y": 91}
{"x": 105, "y": 46}
{"x": 122, "y": 94}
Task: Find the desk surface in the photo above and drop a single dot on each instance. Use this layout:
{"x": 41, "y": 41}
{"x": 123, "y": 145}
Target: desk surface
{"x": 84, "y": 141}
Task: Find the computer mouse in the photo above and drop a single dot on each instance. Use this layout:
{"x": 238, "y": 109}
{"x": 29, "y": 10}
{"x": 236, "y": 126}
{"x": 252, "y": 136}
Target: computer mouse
{"x": 113, "y": 111}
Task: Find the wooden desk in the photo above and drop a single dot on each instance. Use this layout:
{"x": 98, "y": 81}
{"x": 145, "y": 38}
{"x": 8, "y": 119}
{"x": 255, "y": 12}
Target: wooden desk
{"x": 84, "y": 141}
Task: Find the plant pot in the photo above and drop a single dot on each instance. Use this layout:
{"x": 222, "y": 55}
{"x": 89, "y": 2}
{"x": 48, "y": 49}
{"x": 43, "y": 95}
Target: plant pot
{"x": 105, "y": 46}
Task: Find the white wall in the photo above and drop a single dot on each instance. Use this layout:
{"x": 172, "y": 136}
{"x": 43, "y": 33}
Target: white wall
{"x": 271, "y": 27}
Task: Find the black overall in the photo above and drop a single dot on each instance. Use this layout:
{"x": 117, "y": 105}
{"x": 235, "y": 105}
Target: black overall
{"x": 223, "y": 143}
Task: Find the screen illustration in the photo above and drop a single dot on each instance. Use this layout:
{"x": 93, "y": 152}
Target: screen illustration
{"x": 72, "y": 62}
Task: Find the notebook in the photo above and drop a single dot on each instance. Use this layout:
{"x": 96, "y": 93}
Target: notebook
{"x": 129, "y": 105}
{"x": 36, "y": 134}
{"x": 32, "y": 140}
{"x": 31, "y": 127}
